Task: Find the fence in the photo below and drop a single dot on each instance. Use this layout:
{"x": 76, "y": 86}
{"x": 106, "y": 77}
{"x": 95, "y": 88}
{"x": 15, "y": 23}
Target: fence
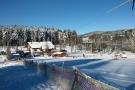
{"x": 69, "y": 79}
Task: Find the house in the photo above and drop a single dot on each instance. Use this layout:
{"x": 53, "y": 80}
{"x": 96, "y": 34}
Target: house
{"x": 38, "y": 48}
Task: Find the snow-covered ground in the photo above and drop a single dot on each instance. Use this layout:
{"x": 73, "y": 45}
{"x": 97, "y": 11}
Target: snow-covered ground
{"x": 10, "y": 63}
{"x": 22, "y": 78}
{"x": 119, "y": 73}
{"x": 73, "y": 56}
{"x": 2, "y": 58}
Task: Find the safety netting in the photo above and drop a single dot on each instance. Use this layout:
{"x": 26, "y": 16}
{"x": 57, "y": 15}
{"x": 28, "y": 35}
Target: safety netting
{"x": 69, "y": 78}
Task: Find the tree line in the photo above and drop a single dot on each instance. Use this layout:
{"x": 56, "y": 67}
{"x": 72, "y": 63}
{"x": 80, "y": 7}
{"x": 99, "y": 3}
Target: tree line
{"x": 19, "y": 35}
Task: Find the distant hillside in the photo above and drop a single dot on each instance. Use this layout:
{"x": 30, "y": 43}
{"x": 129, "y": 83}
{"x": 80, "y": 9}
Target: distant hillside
{"x": 91, "y": 33}
{"x": 105, "y": 32}
{"x": 123, "y": 39}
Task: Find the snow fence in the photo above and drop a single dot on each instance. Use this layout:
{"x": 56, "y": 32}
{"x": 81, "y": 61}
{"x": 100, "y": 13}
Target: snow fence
{"x": 68, "y": 78}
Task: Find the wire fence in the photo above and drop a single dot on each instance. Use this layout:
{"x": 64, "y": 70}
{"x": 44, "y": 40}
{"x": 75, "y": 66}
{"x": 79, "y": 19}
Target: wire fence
{"x": 68, "y": 78}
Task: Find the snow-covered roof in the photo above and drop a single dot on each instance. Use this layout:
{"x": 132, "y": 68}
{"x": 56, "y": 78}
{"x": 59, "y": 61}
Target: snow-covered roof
{"x": 35, "y": 44}
{"x": 50, "y": 45}
{"x": 43, "y": 45}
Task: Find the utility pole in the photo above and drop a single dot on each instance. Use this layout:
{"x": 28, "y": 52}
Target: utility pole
{"x": 133, "y": 1}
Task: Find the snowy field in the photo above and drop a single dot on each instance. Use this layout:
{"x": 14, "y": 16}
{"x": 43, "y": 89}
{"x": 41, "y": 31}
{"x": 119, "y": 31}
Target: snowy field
{"x": 118, "y": 73}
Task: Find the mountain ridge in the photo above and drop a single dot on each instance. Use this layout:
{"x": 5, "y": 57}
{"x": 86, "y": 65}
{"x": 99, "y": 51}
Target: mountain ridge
{"x": 101, "y": 32}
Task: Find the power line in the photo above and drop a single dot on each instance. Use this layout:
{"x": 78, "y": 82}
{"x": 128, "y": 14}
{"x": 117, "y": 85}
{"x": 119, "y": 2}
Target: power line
{"x": 116, "y": 7}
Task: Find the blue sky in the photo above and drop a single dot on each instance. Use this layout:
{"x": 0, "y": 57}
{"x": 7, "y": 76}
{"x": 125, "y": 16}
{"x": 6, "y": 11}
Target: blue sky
{"x": 82, "y": 15}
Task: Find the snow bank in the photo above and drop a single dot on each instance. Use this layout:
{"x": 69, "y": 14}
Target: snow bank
{"x": 87, "y": 55}
{"x": 3, "y": 58}
{"x": 10, "y": 63}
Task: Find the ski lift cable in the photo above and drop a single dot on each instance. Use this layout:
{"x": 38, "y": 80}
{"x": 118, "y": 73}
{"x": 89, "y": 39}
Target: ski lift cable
{"x": 116, "y": 7}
